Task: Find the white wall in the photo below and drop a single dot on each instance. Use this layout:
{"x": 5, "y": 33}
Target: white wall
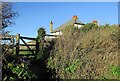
{"x": 76, "y": 25}
{"x": 60, "y": 32}
{"x": 55, "y": 33}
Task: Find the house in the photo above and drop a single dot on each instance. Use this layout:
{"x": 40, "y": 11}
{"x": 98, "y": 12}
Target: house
{"x": 73, "y": 22}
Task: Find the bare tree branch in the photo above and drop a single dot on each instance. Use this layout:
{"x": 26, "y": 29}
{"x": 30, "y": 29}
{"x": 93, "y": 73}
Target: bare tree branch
{"x": 8, "y": 14}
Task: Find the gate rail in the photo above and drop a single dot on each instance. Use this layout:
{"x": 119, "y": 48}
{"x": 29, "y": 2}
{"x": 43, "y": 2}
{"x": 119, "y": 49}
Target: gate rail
{"x": 18, "y": 38}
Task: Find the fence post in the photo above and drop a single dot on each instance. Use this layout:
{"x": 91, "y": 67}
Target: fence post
{"x": 12, "y": 40}
{"x": 37, "y": 46}
{"x": 17, "y": 44}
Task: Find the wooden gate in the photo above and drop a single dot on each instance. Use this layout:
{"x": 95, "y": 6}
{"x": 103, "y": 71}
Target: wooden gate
{"x": 9, "y": 38}
{"x": 7, "y": 46}
{"x": 18, "y": 45}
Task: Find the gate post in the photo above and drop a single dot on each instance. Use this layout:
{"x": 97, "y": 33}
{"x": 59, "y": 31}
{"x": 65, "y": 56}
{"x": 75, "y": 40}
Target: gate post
{"x": 37, "y": 46}
{"x": 12, "y": 41}
{"x": 17, "y": 44}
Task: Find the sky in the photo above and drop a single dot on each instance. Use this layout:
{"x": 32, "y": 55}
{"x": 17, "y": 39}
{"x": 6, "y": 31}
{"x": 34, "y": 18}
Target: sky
{"x": 59, "y": 0}
{"x": 33, "y": 15}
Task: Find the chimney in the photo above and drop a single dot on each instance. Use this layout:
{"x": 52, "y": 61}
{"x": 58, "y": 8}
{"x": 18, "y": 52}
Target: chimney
{"x": 51, "y": 26}
{"x": 95, "y": 22}
{"x": 75, "y": 18}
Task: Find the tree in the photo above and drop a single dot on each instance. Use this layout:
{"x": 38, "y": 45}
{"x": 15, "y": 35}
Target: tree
{"x": 6, "y": 19}
{"x": 7, "y": 14}
{"x": 40, "y": 39}
{"x": 41, "y": 33}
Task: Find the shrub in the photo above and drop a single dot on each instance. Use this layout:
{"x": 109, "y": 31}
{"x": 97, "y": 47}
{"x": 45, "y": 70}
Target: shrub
{"x": 88, "y": 27}
{"x": 82, "y": 53}
{"x": 115, "y": 70}
{"x": 40, "y": 39}
{"x": 15, "y": 69}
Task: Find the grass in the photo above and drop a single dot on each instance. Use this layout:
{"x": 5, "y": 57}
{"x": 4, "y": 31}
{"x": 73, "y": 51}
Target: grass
{"x": 23, "y": 52}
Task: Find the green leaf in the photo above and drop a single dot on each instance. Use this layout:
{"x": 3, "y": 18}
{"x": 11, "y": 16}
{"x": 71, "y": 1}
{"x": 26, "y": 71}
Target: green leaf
{"x": 22, "y": 64}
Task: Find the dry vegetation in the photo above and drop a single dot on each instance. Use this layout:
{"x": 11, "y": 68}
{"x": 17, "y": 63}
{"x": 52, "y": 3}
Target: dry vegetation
{"x": 90, "y": 54}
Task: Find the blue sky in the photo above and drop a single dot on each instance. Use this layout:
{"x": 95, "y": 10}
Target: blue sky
{"x": 39, "y": 14}
{"x": 59, "y": 0}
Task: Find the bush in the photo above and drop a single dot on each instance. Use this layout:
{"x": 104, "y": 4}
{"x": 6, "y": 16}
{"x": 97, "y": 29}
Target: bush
{"x": 115, "y": 70}
{"x": 15, "y": 69}
{"x": 88, "y": 27}
{"x": 40, "y": 39}
{"x": 84, "y": 53}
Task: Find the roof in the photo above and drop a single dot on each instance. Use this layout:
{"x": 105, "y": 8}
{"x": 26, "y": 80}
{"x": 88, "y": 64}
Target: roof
{"x": 80, "y": 23}
{"x": 68, "y": 23}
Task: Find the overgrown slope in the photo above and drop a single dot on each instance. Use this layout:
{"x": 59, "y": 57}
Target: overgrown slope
{"x": 87, "y": 53}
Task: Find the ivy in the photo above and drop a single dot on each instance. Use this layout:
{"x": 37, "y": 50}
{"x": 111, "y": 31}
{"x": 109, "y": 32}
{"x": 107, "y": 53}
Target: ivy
{"x": 40, "y": 39}
{"x": 49, "y": 63}
{"x": 115, "y": 70}
{"x": 72, "y": 67}
{"x": 21, "y": 71}
{"x": 41, "y": 34}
